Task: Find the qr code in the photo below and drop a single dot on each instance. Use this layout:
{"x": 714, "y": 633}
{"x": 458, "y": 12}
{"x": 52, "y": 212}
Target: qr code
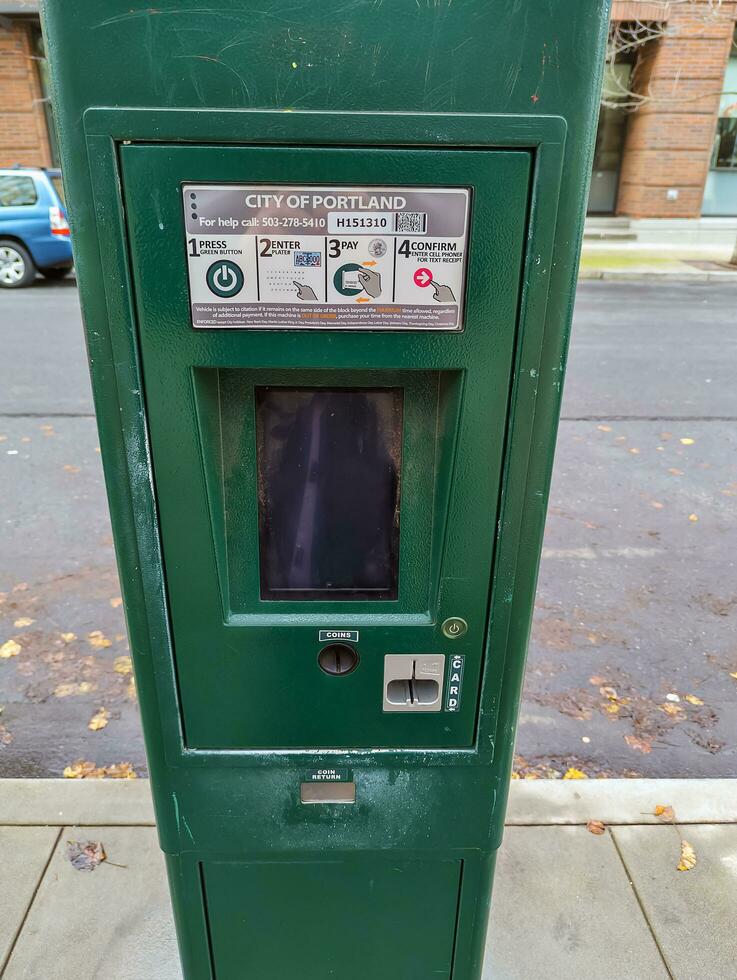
{"x": 414, "y": 222}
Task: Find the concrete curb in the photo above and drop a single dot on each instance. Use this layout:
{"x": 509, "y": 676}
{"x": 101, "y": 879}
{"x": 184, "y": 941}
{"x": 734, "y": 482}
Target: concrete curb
{"x": 83, "y": 802}
{"x": 127, "y": 802}
{"x": 615, "y": 275}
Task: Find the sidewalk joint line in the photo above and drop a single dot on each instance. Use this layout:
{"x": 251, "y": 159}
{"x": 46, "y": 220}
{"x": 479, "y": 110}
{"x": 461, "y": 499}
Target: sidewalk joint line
{"x": 573, "y": 822}
{"x": 648, "y": 418}
{"x": 52, "y": 851}
{"x": 641, "y": 904}
{"x": 96, "y": 823}
{"x": 47, "y": 415}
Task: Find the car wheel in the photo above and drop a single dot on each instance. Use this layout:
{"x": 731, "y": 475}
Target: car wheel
{"x": 56, "y": 272}
{"x": 16, "y": 265}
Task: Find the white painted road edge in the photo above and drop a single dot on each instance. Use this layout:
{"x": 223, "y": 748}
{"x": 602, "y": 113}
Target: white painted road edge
{"x": 94, "y": 802}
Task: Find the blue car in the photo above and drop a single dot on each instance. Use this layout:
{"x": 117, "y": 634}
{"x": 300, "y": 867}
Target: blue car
{"x": 34, "y": 234}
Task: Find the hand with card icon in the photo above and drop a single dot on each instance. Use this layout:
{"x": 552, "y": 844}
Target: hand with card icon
{"x": 371, "y": 282}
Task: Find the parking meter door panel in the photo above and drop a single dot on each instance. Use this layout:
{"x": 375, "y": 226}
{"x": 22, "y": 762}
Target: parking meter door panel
{"x": 327, "y": 342}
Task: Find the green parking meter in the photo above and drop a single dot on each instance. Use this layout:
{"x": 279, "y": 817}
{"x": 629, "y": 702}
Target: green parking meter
{"x": 326, "y": 257}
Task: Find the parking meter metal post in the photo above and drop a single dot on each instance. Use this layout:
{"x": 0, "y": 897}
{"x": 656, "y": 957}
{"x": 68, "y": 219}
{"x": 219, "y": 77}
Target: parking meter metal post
{"x": 326, "y": 256}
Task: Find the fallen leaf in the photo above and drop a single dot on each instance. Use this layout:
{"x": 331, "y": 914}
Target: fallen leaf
{"x": 611, "y": 707}
{"x": 664, "y": 813}
{"x": 609, "y": 692}
{"x": 131, "y": 692}
{"x": 99, "y": 720}
{"x": 122, "y": 665}
{"x": 10, "y": 649}
{"x": 98, "y": 639}
{"x": 693, "y": 517}
{"x": 515, "y": 775}
{"x": 672, "y": 697}
{"x": 688, "y": 855}
{"x": 121, "y": 770}
{"x": 68, "y": 689}
{"x": 639, "y": 744}
{"x": 574, "y": 774}
{"x": 116, "y": 602}
{"x": 83, "y": 769}
{"x": 734, "y": 675}
{"x": 692, "y": 699}
{"x": 596, "y": 827}
{"x": 85, "y": 855}
{"x": 23, "y": 621}
{"x": 687, "y": 441}
{"x": 674, "y": 710}
{"x": 68, "y": 637}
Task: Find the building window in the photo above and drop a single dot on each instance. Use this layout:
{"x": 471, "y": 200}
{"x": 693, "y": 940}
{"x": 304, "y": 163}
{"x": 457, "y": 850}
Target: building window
{"x": 720, "y": 193}
{"x": 39, "y": 50}
{"x": 725, "y": 150}
{"x": 725, "y": 141}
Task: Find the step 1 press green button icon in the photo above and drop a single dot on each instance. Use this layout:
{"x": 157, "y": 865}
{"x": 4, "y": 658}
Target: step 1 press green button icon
{"x": 225, "y": 279}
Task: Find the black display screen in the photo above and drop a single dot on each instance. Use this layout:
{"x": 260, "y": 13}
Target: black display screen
{"x": 328, "y": 479}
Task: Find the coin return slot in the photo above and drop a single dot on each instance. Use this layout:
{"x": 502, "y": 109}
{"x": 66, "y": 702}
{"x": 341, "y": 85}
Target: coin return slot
{"x": 344, "y": 792}
{"x": 413, "y": 683}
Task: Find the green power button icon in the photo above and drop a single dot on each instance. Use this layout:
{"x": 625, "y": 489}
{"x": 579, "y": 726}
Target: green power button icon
{"x": 225, "y": 279}
{"x": 454, "y": 627}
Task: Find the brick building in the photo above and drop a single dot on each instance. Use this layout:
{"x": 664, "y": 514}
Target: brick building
{"x": 667, "y": 138}
{"x": 25, "y": 130}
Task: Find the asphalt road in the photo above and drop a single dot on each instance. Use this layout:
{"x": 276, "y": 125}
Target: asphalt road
{"x": 634, "y": 653}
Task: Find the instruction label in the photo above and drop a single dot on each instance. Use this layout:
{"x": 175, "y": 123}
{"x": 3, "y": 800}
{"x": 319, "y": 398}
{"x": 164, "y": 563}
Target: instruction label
{"x": 337, "y": 258}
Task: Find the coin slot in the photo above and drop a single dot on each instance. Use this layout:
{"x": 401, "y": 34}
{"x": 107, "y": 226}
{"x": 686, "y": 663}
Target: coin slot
{"x": 337, "y": 659}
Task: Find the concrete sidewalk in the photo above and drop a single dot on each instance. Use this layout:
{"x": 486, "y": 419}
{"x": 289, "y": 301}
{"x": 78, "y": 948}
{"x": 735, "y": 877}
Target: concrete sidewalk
{"x": 567, "y": 903}
{"x": 638, "y": 263}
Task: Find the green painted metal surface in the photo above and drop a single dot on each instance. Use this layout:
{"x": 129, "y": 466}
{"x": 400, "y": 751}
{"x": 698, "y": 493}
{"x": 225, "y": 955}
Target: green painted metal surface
{"x": 410, "y": 906}
{"x": 489, "y": 95}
